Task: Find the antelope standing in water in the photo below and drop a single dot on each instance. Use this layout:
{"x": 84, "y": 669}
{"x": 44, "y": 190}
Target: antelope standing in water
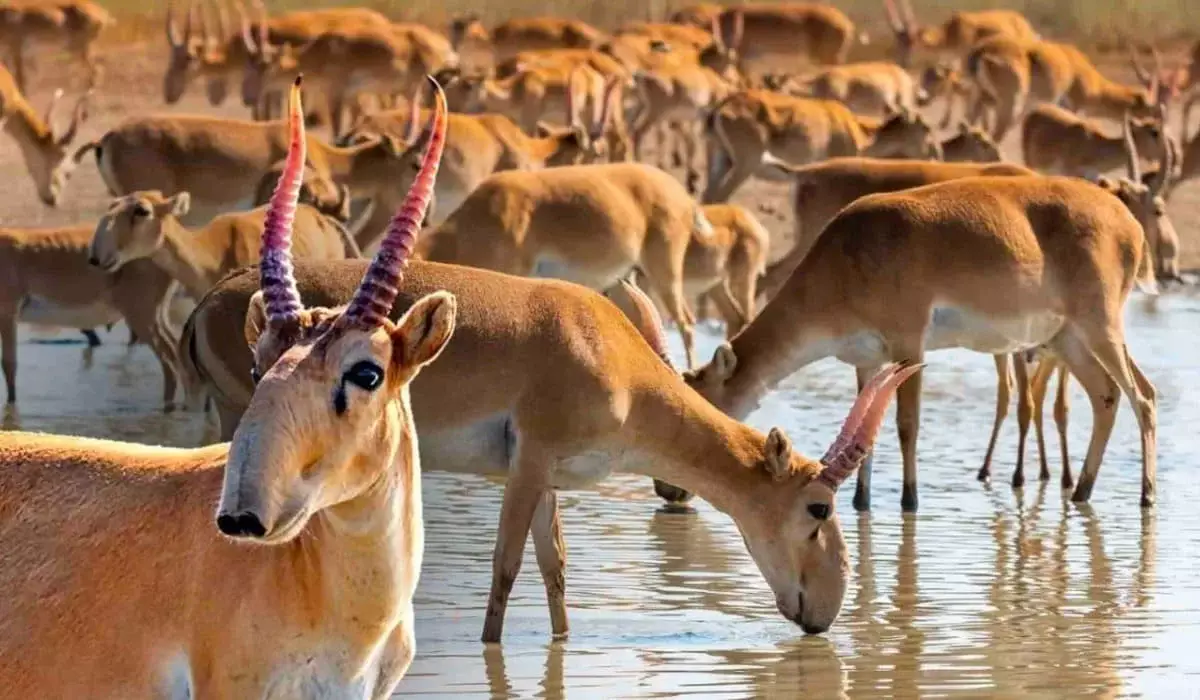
{"x": 323, "y": 473}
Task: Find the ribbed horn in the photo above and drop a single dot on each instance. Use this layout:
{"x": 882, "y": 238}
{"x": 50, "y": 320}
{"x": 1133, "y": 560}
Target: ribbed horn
{"x": 278, "y": 278}
{"x": 381, "y": 284}
{"x": 861, "y": 428}
{"x": 651, "y": 322}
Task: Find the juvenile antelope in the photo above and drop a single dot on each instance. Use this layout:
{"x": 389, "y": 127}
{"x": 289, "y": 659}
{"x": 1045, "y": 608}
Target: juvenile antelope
{"x": 147, "y": 225}
{"x": 957, "y": 35}
{"x": 566, "y": 390}
{"x": 724, "y": 265}
{"x": 748, "y": 125}
{"x": 990, "y": 279}
{"x": 323, "y": 473}
{"x": 47, "y": 156}
{"x": 219, "y": 162}
{"x": 45, "y": 278}
{"x": 590, "y": 224}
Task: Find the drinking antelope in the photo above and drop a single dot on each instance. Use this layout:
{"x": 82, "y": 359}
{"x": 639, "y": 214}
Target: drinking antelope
{"x": 323, "y": 473}
{"x": 970, "y": 144}
{"x": 975, "y": 262}
{"x": 147, "y": 225}
{"x": 47, "y": 156}
{"x": 590, "y": 224}
{"x": 747, "y": 125}
{"x": 45, "y": 278}
{"x": 565, "y": 390}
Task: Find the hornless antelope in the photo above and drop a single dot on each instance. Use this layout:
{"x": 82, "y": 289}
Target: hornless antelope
{"x": 590, "y": 224}
{"x": 45, "y": 278}
{"x": 1057, "y": 142}
{"x": 873, "y": 89}
{"x": 146, "y": 225}
{"x": 47, "y": 156}
{"x": 970, "y": 145}
{"x": 821, "y": 190}
{"x": 748, "y": 125}
{"x": 477, "y": 145}
{"x": 957, "y": 35}
{"x": 323, "y": 473}
{"x": 724, "y": 265}
{"x": 769, "y": 36}
{"x": 978, "y": 263}
{"x": 566, "y": 390}
{"x": 73, "y": 23}
{"x": 219, "y": 162}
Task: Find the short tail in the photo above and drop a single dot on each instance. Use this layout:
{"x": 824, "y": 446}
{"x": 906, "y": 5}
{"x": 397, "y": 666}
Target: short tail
{"x": 1145, "y": 280}
{"x": 701, "y": 226}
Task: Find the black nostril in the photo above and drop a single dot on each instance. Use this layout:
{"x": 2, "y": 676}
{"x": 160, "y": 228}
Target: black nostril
{"x": 241, "y": 525}
{"x": 812, "y": 629}
{"x": 93, "y": 261}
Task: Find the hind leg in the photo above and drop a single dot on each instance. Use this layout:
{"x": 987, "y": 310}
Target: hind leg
{"x": 8, "y": 353}
{"x": 862, "y": 487}
{"x": 1060, "y": 420}
{"x": 1003, "y": 397}
{"x": 1102, "y": 392}
{"x": 1024, "y": 411}
{"x": 551, "y": 553}
{"x": 1037, "y": 388}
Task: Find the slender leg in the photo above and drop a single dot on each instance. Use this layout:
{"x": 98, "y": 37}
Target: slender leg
{"x": 551, "y": 553}
{"x": 93, "y": 340}
{"x": 1060, "y": 420}
{"x": 8, "y": 348}
{"x": 730, "y": 310}
{"x": 1102, "y": 391}
{"x": 1037, "y": 387}
{"x": 862, "y": 487}
{"x": 908, "y": 422}
{"x": 1003, "y": 397}
{"x": 1024, "y": 411}
{"x": 528, "y": 479}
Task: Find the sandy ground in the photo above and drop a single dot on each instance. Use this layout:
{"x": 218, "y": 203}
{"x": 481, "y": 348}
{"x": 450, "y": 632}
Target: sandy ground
{"x": 133, "y": 86}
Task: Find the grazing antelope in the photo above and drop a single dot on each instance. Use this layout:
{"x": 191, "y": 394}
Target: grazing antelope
{"x": 989, "y": 279}
{"x": 872, "y": 89}
{"x": 197, "y": 54}
{"x": 769, "y": 36}
{"x": 47, "y": 156}
{"x": 45, "y": 278}
{"x": 219, "y": 162}
{"x": 590, "y": 224}
{"x": 947, "y": 82}
{"x": 724, "y": 265}
{"x": 970, "y": 144}
{"x": 1094, "y": 94}
{"x": 1057, "y": 142}
{"x": 75, "y": 24}
{"x": 323, "y": 473}
{"x": 957, "y": 35}
{"x": 477, "y": 145}
{"x": 146, "y": 225}
{"x": 750, "y": 124}
{"x": 821, "y": 190}
{"x": 581, "y": 394}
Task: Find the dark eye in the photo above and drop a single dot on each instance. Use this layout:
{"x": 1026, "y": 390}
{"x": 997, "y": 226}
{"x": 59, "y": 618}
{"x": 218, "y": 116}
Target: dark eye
{"x": 364, "y": 375}
{"x": 141, "y": 210}
{"x": 820, "y": 511}
{"x": 255, "y": 376}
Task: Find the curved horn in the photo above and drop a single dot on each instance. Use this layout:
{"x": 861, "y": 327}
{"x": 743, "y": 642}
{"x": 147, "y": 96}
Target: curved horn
{"x": 278, "y": 280}
{"x": 172, "y": 31}
{"x": 910, "y": 17}
{"x": 1166, "y": 164}
{"x": 652, "y": 323}
{"x": 572, "y": 116}
{"x": 862, "y": 425}
{"x": 414, "y": 117}
{"x": 247, "y": 31}
{"x": 1138, "y": 69}
{"x": 263, "y": 33}
{"x": 77, "y": 117}
{"x": 893, "y": 16}
{"x": 222, "y": 11}
{"x": 1155, "y": 87}
{"x": 189, "y": 20}
{"x": 739, "y": 28}
{"x": 1133, "y": 165}
{"x": 375, "y": 296}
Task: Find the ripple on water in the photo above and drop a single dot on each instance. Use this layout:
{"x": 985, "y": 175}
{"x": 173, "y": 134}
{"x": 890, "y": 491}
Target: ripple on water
{"x": 987, "y": 592}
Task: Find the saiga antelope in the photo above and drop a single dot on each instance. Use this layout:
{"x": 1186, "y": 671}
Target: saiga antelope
{"x": 957, "y": 35}
{"x": 1013, "y": 75}
{"x": 760, "y": 35}
{"x": 45, "y": 278}
{"x": 323, "y": 474}
{"x": 590, "y": 224}
{"x": 943, "y": 274}
{"x": 1057, "y": 142}
{"x": 724, "y": 264}
{"x": 1094, "y": 94}
{"x": 47, "y": 156}
{"x": 75, "y": 24}
{"x": 748, "y": 125}
{"x": 565, "y": 389}
{"x": 873, "y": 89}
{"x": 970, "y": 144}
{"x": 533, "y": 33}
{"x": 147, "y": 225}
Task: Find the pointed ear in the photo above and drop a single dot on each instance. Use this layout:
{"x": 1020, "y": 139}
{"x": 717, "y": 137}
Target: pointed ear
{"x": 180, "y": 204}
{"x": 422, "y": 333}
{"x": 724, "y": 363}
{"x": 256, "y": 319}
{"x": 777, "y": 455}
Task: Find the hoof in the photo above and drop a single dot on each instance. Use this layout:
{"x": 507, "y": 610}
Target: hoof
{"x": 908, "y": 499}
{"x": 1044, "y": 475}
{"x": 1083, "y": 493}
{"x": 1018, "y": 480}
{"x": 673, "y": 495}
{"x": 984, "y": 475}
{"x": 1148, "y": 500}
{"x": 862, "y": 500}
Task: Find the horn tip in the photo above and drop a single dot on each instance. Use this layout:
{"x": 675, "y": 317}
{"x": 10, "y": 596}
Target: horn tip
{"x": 299, "y": 80}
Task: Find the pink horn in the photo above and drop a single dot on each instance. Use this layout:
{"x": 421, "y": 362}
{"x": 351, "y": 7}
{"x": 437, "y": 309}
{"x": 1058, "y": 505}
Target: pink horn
{"x": 652, "y": 322}
{"x": 278, "y": 278}
{"x": 868, "y": 419}
{"x": 854, "y": 418}
{"x": 414, "y": 118}
{"x": 381, "y": 284}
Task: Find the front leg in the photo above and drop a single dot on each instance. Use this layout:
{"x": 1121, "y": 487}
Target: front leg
{"x": 908, "y": 420}
{"x": 528, "y": 479}
{"x": 862, "y": 487}
{"x": 394, "y": 660}
{"x": 551, "y": 553}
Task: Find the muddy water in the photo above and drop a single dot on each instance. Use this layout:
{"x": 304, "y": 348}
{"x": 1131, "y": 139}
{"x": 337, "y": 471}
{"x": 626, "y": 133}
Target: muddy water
{"x": 986, "y": 592}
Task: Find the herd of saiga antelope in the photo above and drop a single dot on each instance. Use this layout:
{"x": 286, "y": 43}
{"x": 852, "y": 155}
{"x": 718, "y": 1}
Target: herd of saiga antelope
{"x": 544, "y": 382}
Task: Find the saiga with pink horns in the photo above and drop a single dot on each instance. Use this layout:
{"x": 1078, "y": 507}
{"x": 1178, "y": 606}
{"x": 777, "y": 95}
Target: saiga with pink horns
{"x": 323, "y": 472}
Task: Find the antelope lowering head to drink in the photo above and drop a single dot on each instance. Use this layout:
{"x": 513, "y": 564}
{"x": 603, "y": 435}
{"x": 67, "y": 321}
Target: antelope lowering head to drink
{"x": 322, "y": 474}
{"x": 47, "y": 155}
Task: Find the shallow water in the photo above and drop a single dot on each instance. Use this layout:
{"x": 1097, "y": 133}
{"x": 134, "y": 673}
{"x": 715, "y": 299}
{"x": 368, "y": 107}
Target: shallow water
{"x": 985, "y": 592}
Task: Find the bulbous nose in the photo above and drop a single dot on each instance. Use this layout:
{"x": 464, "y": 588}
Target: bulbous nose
{"x": 811, "y": 629}
{"x": 93, "y": 261}
{"x": 243, "y": 524}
